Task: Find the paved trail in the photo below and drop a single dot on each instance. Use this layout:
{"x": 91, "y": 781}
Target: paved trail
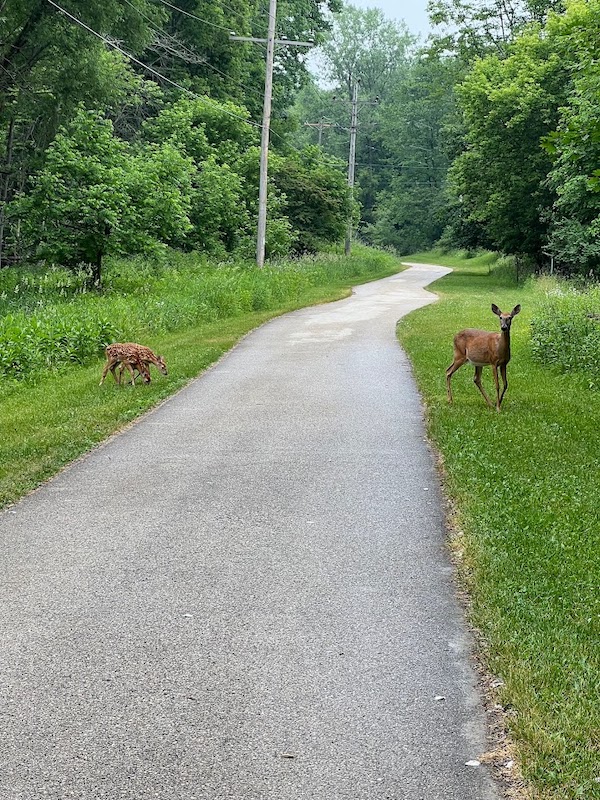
{"x": 246, "y": 596}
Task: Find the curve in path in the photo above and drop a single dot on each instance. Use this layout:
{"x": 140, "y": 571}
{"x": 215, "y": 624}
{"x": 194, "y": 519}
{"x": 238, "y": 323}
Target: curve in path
{"x": 247, "y": 595}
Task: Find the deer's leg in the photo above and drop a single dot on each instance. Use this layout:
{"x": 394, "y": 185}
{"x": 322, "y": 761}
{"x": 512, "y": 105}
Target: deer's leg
{"x": 504, "y": 381}
{"x": 477, "y": 380}
{"x": 459, "y": 360}
{"x": 498, "y": 398}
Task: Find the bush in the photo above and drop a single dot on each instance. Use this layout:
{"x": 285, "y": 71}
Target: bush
{"x": 565, "y": 331}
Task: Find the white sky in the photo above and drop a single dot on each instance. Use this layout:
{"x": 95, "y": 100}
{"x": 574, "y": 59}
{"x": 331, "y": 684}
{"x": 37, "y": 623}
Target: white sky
{"x": 413, "y": 12}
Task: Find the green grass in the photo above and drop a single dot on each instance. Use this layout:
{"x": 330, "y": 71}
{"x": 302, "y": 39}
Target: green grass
{"x": 52, "y": 417}
{"x": 525, "y": 487}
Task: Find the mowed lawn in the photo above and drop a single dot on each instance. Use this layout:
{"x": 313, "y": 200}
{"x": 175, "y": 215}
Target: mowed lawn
{"x": 525, "y": 486}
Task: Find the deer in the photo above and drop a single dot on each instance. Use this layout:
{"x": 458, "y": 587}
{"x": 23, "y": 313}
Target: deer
{"x": 134, "y": 357}
{"x": 482, "y": 348}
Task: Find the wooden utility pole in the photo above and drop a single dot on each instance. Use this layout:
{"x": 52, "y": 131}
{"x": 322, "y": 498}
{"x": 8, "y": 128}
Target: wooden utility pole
{"x": 264, "y": 141}
{"x": 270, "y": 41}
{"x": 352, "y": 161}
{"x": 320, "y": 126}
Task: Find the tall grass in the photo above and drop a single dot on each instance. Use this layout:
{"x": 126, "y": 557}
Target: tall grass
{"x": 565, "y": 330}
{"x": 49, "y": 319}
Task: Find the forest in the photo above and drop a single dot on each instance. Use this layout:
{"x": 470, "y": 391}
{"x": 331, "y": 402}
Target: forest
{"x": 131, "y": 126}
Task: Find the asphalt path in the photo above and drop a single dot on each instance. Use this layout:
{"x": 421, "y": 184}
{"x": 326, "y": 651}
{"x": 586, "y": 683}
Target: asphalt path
{"x": 247, "y": 594}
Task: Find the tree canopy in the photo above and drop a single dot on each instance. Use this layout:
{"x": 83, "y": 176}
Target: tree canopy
{"x": 126, "y": 125}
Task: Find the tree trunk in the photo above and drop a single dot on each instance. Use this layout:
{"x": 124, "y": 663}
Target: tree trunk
{"x": 5, "y": 185}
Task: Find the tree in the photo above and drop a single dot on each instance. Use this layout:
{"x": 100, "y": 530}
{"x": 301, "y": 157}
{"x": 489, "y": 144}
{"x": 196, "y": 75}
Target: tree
{"x": 364, "y": 45}
{"x": 316, "y": 198}
{"x": 574, "y": 219}
{"x": 509, "y": 105}
{"x": 48, "y": 66}
{"x": 474, "y": 28}
{"x": 411, "y": 210}
{"x": 94, "y": 197}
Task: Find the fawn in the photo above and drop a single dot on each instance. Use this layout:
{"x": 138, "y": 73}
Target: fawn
{"x": 481, "y": 348}
{"x": 134, "y": 357}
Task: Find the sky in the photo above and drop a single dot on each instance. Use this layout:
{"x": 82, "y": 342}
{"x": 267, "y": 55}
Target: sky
{"x": 413, "y": 12}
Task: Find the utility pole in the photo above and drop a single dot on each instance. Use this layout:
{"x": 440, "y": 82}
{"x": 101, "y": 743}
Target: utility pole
{"x": 264, "y": 141}
{"x": 352, "y": 161}
{"x": 320, "y": 126}
{"x": 270, "y": 41}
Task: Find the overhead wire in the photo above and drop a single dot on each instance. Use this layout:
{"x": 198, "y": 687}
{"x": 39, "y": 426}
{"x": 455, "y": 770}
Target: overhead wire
{"x": 195, "y": 16}
{"x": 157, "y": 29}
{"x": 150, "y": 69}
{"x": 202, "y": 61}
{"x": 162, "y": 77}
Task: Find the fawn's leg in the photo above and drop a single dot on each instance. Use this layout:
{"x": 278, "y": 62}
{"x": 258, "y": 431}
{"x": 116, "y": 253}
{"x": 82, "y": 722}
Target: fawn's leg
{"x": 130, "y": 368}
{"x": 477, "y": 379}
{"x": 110, "y": 365}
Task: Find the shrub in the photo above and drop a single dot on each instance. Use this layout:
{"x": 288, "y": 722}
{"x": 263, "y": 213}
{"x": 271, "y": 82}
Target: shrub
{"x": 565, "y": 330}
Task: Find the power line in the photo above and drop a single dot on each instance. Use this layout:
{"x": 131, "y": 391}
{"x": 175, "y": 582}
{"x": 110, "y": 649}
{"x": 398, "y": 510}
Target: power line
{"x": 190, "y": 53}
{"x": 193, "y": 16}
{"x": 151, "y": 69}
{"x": 199, "y": 59}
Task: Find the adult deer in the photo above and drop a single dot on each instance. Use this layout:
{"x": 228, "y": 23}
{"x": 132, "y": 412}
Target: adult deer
{"x": 481, "y": 348}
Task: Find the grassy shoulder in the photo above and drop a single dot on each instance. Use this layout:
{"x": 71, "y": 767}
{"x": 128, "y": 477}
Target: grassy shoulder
{"x": 524, "y": 485}
{"x": 47, "y": 422}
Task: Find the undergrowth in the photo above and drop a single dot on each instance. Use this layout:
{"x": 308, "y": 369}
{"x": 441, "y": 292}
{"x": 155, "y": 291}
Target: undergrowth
{"x": 48, "y": 319}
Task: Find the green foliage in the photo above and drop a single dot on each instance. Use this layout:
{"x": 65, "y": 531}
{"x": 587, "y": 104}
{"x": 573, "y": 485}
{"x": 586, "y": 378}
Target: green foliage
{"x": 56, "y": 336}
{"x": 364, "y": 45}
{"x": 94, "y": 197}
{"x": 525, "y": 498}
{"x": 51, "y": 68}
{"x": 574, "y": 219}
{"x": 565, "y": 330}
{"x": 411, "y": 211}
{"x": 475, "y": 28}
{"x": 219, "y": 215}
{"x": 509, "y": 106}
{"x": 79, "y": 197}
{"x": 316, "y": 198}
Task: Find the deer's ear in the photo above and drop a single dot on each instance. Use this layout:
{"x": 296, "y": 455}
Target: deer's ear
{"x": 496, "y": 310}
{"x": 515, "y": 311}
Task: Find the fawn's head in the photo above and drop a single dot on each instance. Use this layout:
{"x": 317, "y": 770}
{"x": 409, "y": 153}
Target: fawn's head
{"x": 505, "y": 319}
{"x": 160, "y": 363}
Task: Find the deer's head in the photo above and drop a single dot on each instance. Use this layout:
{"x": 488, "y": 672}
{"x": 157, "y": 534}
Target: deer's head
{"x": 505, "y": 319}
